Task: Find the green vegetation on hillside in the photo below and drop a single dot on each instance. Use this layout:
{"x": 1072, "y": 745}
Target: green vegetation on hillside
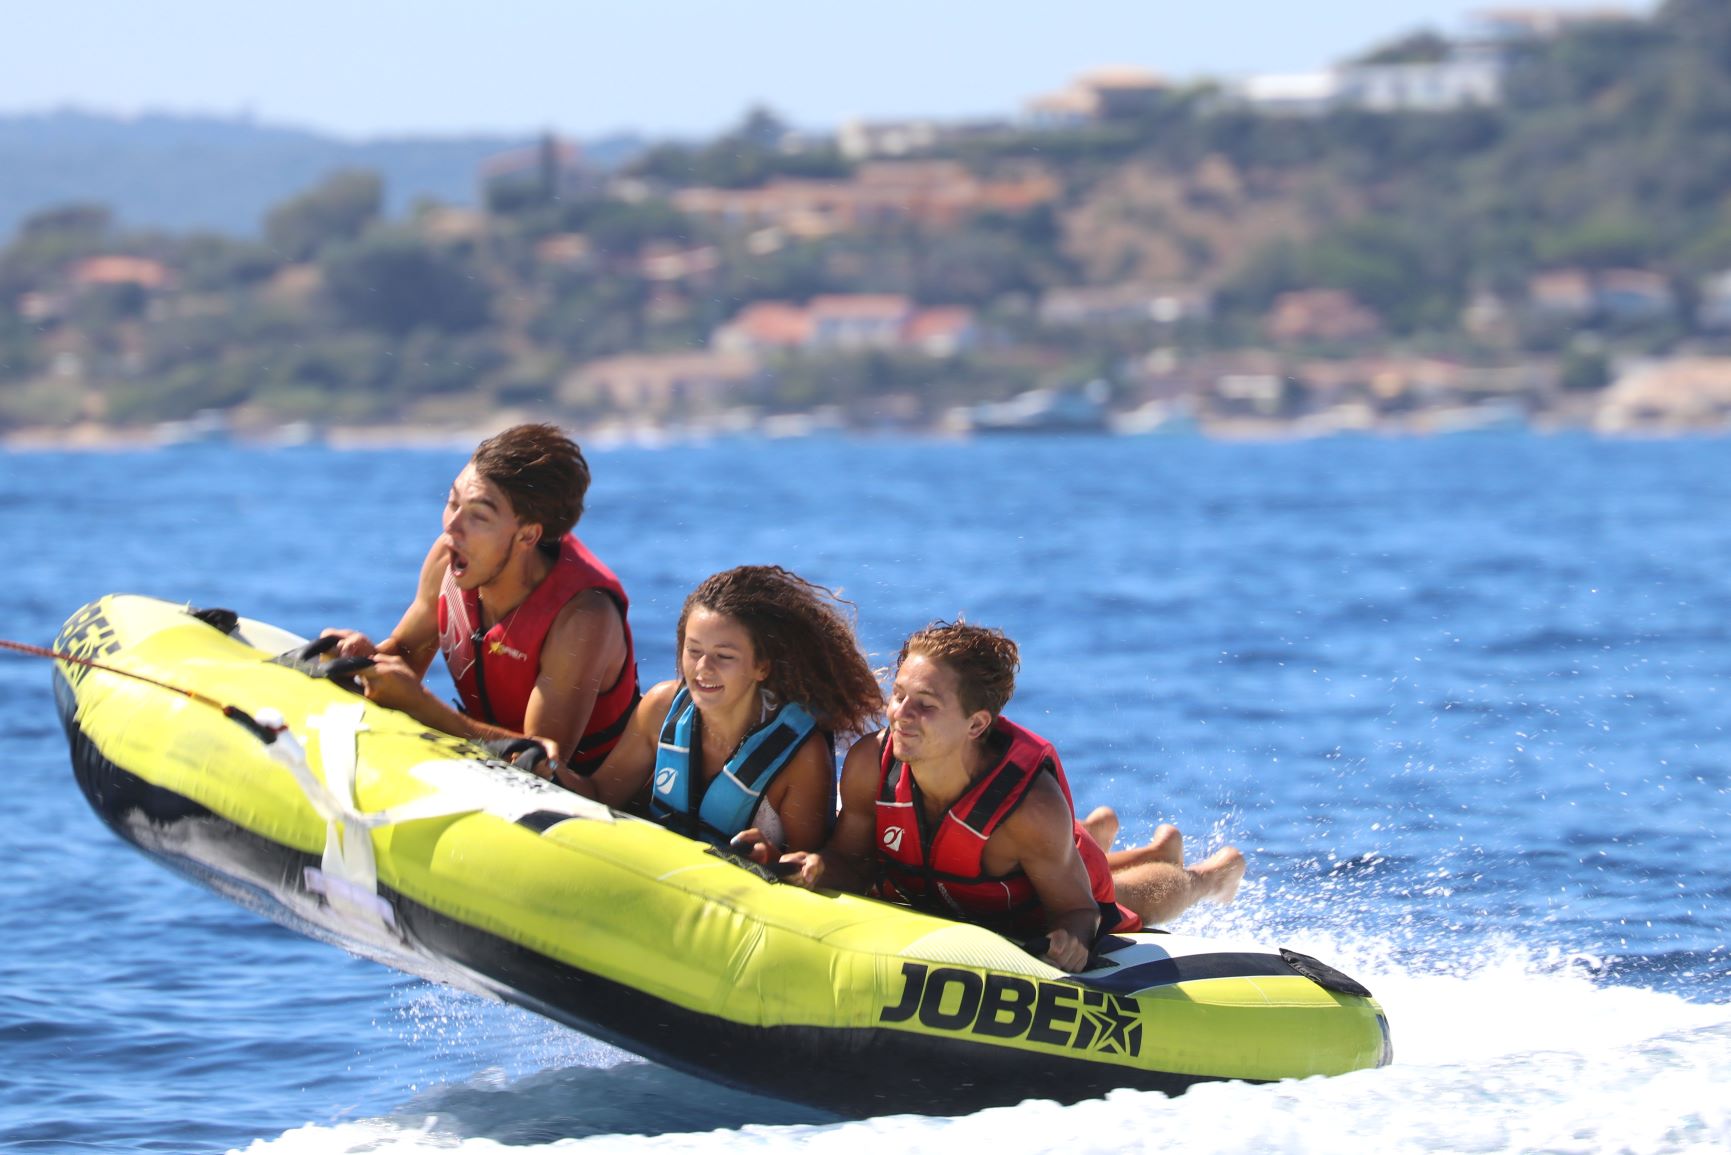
{"x": 1596, "y": 197}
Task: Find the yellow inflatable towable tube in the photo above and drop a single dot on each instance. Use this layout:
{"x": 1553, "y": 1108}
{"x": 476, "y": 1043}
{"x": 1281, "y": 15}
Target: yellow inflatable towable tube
{"x": 354, "y": 824}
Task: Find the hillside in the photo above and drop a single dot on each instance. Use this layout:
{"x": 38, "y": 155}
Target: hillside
{"x": 187, "y": 174}
{"x": 1344, "y": 264}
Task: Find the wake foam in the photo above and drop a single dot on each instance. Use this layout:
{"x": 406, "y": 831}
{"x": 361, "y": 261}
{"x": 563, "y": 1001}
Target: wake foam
{"x": 1503, "y": 1048}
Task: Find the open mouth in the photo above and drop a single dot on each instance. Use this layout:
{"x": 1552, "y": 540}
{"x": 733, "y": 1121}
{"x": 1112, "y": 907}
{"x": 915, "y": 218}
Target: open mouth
{"x": 459, "y": 563}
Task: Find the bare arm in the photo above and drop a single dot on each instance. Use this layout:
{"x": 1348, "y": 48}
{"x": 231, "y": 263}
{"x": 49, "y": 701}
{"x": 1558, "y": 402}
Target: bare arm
{"x": 1040, "y": 838}
{"x": 630, "y": 763}
{"x": 392, "y": 682}
{"x": 587, "y": 636}
{"x": 802, "y": 793}
{"x": 416, "y": 638}
{"x": 583, "y": 655}
{"x": 847, "y": 860}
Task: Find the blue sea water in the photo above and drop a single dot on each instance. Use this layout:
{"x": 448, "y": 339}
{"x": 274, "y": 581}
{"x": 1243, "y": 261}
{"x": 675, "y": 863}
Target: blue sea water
{"x": 1462, "y": 702}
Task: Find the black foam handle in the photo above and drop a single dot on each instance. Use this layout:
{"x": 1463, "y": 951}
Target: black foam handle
{"x": 777, "y": 867}
{"x": 258, "y": 729}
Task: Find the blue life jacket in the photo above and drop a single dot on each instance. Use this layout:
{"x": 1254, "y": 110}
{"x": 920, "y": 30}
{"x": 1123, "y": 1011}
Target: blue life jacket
{"x": 723, "y": 808}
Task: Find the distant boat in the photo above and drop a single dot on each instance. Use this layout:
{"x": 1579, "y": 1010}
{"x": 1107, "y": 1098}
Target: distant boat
{"x": 294, "y": 435}
{"x": 823, "y": 420}
{"x": 1156, "y": 419}
{"x": 206, "y": 427}
{"x": 1080, "y": 410}
{"x": 1501, "y": 416}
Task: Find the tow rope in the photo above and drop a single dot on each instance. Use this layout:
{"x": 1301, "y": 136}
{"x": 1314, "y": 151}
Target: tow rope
{"x": 264, "y": 731}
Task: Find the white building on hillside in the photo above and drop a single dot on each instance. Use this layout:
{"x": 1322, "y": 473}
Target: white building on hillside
{"x": 1433, "y": 87}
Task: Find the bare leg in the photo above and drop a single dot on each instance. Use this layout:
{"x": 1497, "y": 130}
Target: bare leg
{"x": 1167, "y": 844}
{"x": 1159, "y": 889}
{"x": 1102, "y": 826}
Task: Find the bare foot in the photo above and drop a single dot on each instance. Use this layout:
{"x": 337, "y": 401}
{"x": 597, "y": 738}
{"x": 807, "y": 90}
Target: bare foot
{"x": 1102, "y": 826}
{"x": 1167, "y": 844}
{"x": 1219, "y": 874}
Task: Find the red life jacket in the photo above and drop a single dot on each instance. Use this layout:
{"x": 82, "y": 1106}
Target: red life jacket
{"x": 496, "y": 689}
{"x": 940, "y": 870}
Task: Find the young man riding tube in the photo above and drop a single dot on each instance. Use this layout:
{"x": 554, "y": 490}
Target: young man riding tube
{"x": 531, "y": 624}
{"x": 959, "y": 811}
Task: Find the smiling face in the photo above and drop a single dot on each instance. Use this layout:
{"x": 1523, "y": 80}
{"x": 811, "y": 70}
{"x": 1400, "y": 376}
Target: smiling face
{"x": 482, "y": 531}
{"x": 718, "y": 661}
{"x": 927, "y": 720}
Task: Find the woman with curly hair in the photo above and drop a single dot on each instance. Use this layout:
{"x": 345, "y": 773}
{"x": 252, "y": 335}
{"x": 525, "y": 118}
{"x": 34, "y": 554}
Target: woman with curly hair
{"x": 742, "y": 741}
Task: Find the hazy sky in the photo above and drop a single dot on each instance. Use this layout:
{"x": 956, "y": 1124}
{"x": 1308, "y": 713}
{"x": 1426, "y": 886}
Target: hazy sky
{"x": 390, "y": 67}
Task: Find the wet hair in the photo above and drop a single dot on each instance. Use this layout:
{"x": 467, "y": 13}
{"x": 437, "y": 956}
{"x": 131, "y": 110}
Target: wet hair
{"x": 542, "y": 472}
{"x": 807, "y": 637}
{"x": 984, "y": 660}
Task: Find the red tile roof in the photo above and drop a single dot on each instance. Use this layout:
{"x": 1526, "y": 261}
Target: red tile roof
{"x": 118, "y": 270}
{"x": 772, "y": 323}
{"x": 887, "y": 306}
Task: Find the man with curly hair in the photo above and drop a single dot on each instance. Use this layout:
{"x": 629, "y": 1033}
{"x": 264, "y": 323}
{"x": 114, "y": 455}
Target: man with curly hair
{"x": 956, "y": 810}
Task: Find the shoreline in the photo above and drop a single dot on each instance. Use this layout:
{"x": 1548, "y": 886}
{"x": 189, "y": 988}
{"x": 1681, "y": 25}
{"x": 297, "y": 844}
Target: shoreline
{"x": 92, "y": 437}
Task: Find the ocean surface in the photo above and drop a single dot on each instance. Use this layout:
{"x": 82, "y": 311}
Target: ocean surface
{"x": 1462, "y": 702}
